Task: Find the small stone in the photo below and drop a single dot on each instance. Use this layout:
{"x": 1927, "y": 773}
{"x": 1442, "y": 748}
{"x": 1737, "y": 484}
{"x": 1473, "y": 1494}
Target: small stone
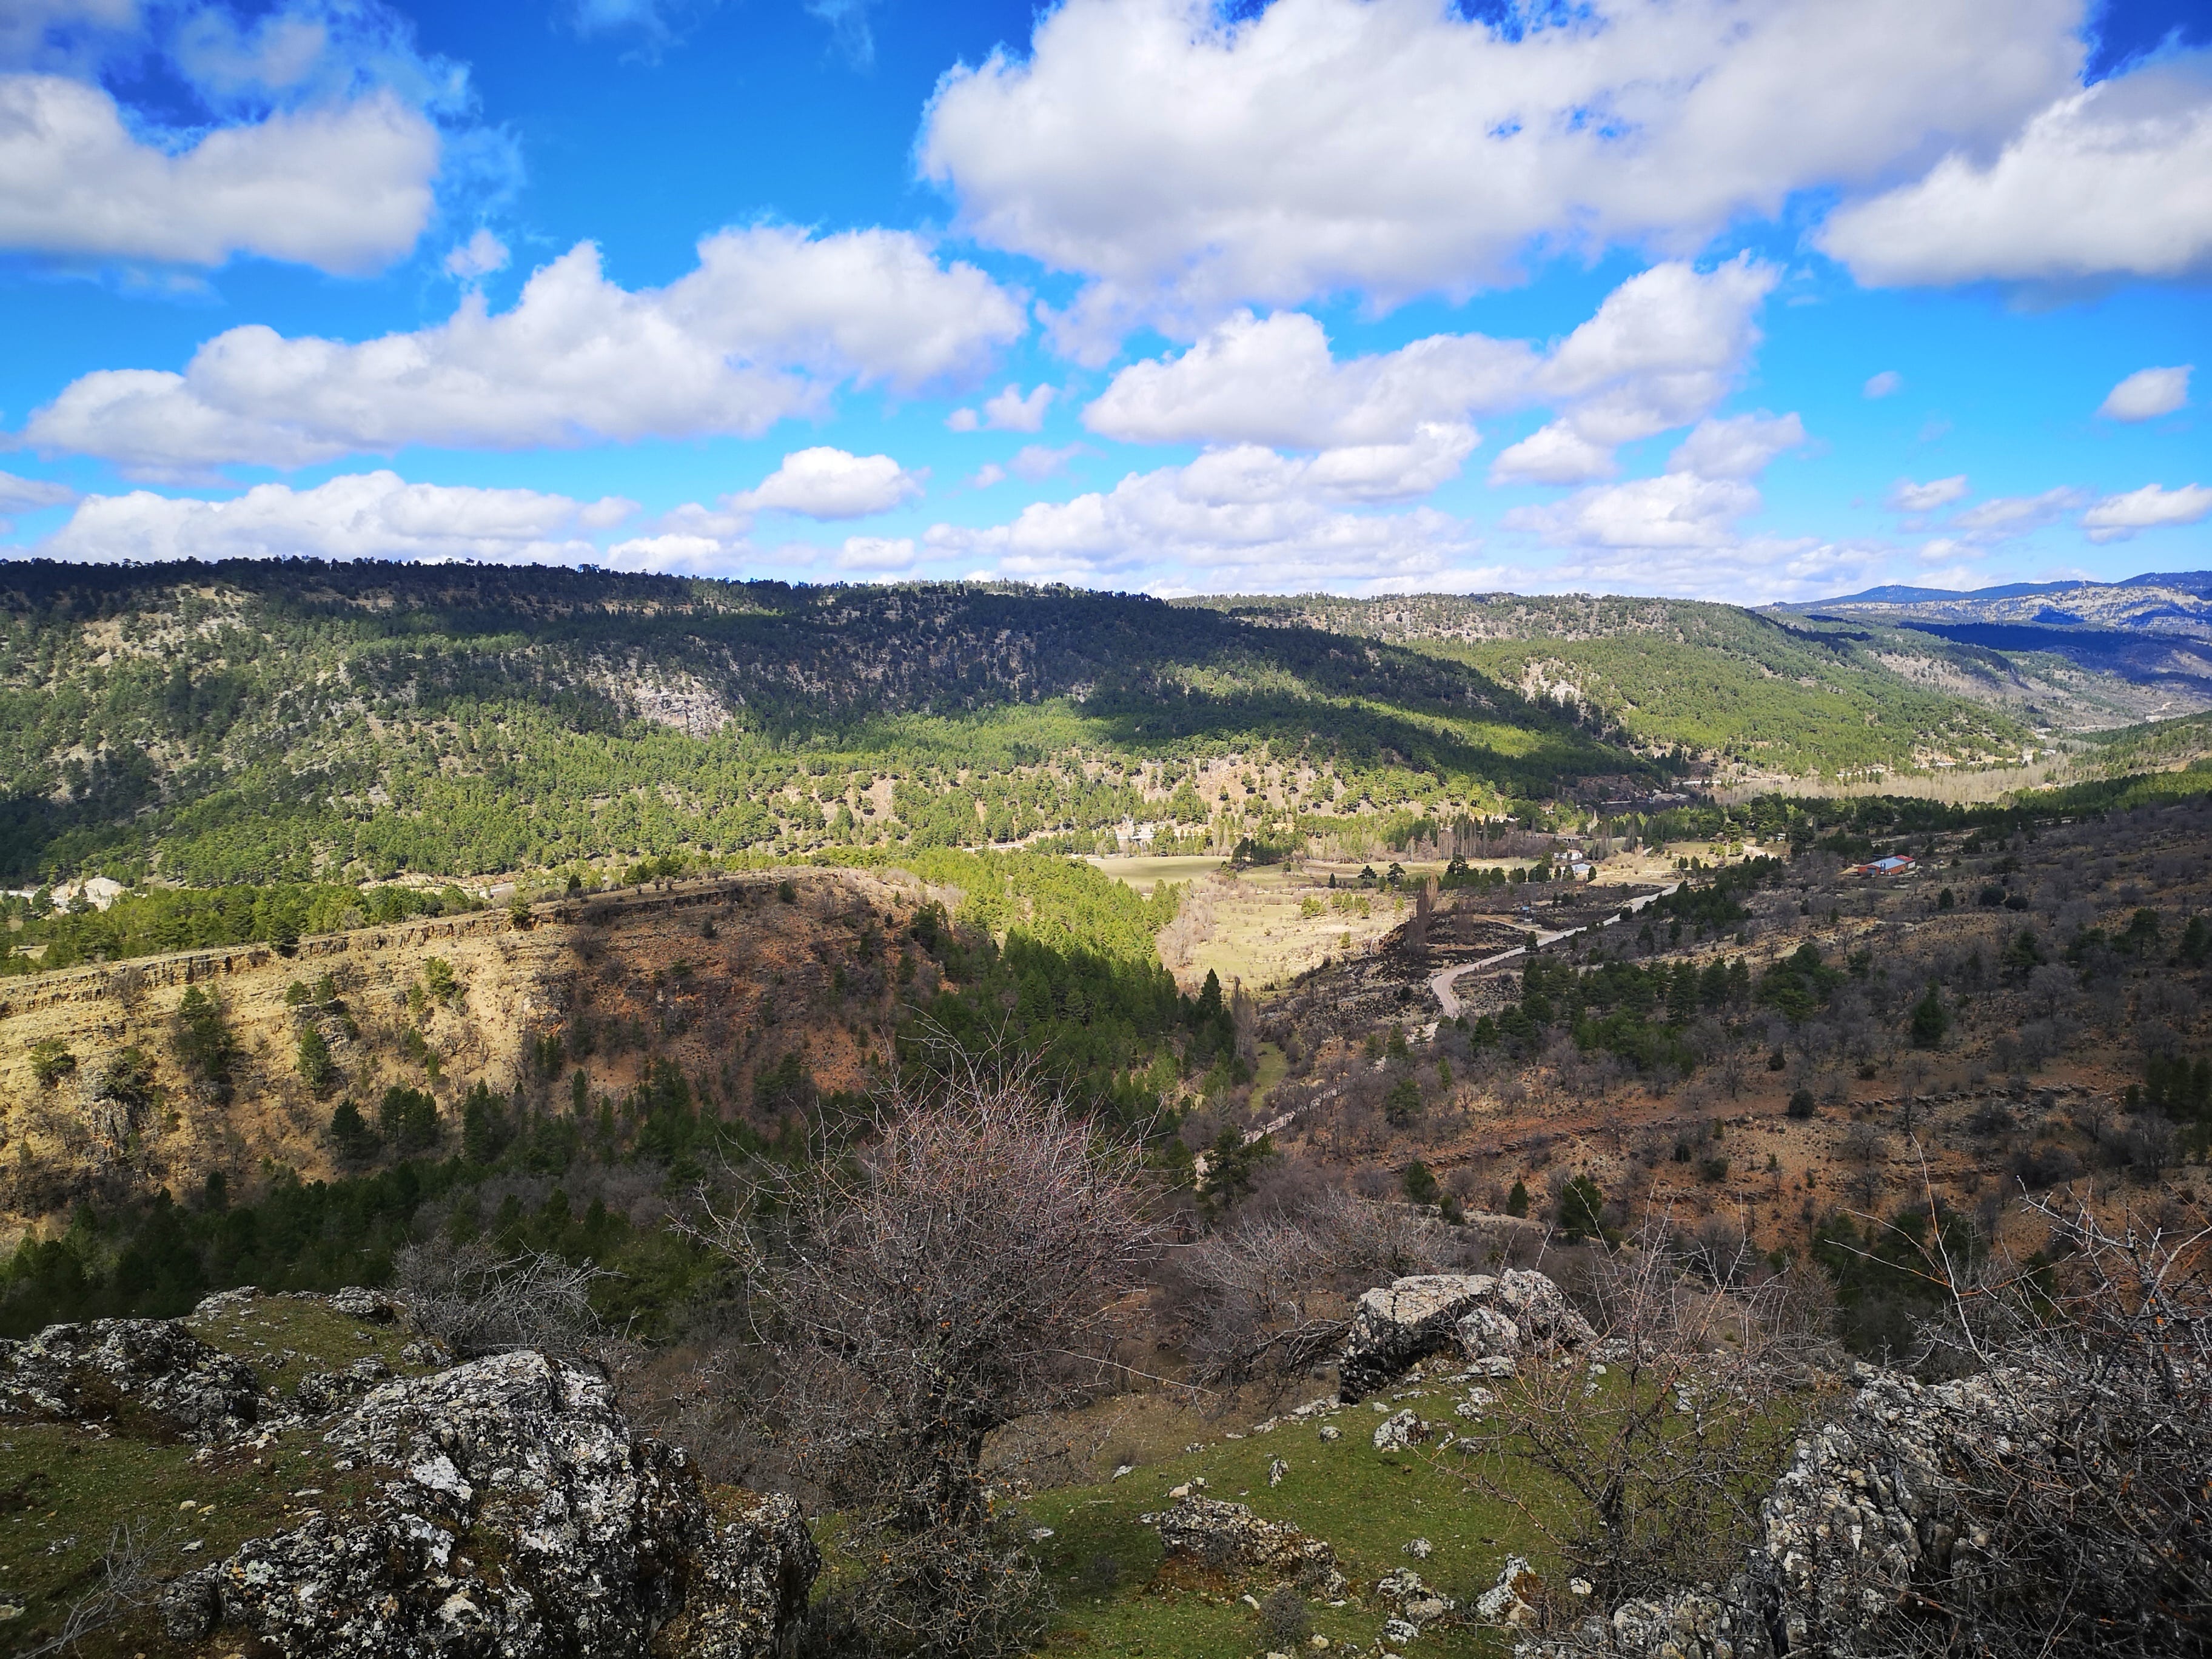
{"x": 1276, "y": 1471}
{"x": 1330, "y": 1434}
{"x": 1420, "y": 1549}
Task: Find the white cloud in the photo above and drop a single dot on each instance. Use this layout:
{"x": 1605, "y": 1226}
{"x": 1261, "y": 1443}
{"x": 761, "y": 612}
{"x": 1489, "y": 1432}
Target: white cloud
{"x": 1888, "y": 384}
{"x": 877, "y": 555}
{"x": 1244, "y": 519}
{"x": 771, "y": 320}
{"x": 1552, "y": 454}
{"x": 2118, "y": 517}
{"x": 830, "y": 483}
{"x": 1188, "y": 161}
{"x": 1038, "y": 461}
{"x": 986, "y": 475}
{"x": 2147, "y": 394}
{"x": 477, "y": 257}
{"x": 19, "y": 495}
{"x": 1674, "y": 510}
{"x": 1759, "y": 570}
{"x": 1272, "y": 380}
{"x": 2004, "y": 516}
{"x": 1906, "y": 496}
{"x": 1010, "y": 411}
{"x": 1740, "y": 447}
{"x": 675, "y": 552}
{"x": 2115, "y": 180}
{"x": 346, "y": 188}
{"x": 371, "y": 515}
{"x": 1660, "y": 351}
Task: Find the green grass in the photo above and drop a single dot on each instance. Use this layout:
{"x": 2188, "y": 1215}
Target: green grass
{"x": 1367, "y": 1505}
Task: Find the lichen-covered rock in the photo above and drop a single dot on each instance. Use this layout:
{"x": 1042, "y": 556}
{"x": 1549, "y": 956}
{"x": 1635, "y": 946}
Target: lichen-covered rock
{"x": 150, "y": 1374}
{"x": 1868, "y": 1520}
{"x": 1404, "y": 1322}
{"x": 1488, "y": 1319}
{"x": 1506, "y": 1601}
{"x": 749, "y": 1585}
{"x": 1229, "y": 1537}
{"x": 515, "y": 1514}
{"x": 359, "y": 1304}
{"x": 1400, "y": 1431}
{"x": 322, "y": 1392}
{"x": 1540, "y": 1312}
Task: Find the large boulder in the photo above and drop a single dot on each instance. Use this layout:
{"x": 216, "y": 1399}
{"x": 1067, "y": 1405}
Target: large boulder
{"x": 1404, "y": 1322}
{"x": 1229, "y": 1537}
{"x": 1479, "y": 1315}
{"x": 515, "y": 1514}
{"x": 152, "y": 1376}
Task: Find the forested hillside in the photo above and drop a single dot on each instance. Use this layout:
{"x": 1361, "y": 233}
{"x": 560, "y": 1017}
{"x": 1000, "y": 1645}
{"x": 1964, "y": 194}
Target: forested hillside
{"x": 298, "y": 721}
{"x": 1765, "y": 690}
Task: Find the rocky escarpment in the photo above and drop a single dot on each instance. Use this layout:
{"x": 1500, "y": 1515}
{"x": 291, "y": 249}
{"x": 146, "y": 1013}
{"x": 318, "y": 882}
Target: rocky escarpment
{"x": 515, "y": 1514}
{"x": 1483, "y": 1317}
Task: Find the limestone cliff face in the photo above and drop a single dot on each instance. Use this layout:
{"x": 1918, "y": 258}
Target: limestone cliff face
{"x": 720, "y": 976}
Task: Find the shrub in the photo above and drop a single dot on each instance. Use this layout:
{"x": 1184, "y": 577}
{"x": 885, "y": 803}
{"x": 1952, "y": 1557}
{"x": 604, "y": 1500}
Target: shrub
{"x": 317, "y": 1069}
{"x": 204, "y": 1042}
{"x": 1801, "y": 1104}
{"x": 51, "y": 1062}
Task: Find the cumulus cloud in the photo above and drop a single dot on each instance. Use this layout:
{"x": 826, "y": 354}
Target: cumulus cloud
{"x": 1242, "y": 519}
{"x": 1675, "y": 510}
{"x": 477, "y": 257}
{"x": 831, "y": 483}
{"x": 877, "y": 555}
{"x": 1659, "y": 352}
{"x": 1039, "y": 461}
{"x": 371, "y": 515}
{"x": 2115, "y": 180}
{"x": 1010, "y": 411}
{"x": 346, "y": 188}
{"x": 1188, "y": 159}
{"x": 1552, "y": 454}
{"x": 1740, "y": 447}
{"x": 2115, "y": 518}
{"x": 2004, "y": 516}
{"x": 313, "y": 131}
{"x": 1906, "y": 496}
{"x": 766, "y": 324}
{"x": 2147, "y": 394}
{"x": 1888, "y": 384}
{"x": 1274, "y": 380}
{"x": 19, "y": 495}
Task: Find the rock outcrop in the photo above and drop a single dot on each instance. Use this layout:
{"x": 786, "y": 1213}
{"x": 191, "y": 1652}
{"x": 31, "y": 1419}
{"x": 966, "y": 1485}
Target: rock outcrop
{"x": 515, "y": 1514}
{"x": 151, "y": 1375}
{"x": 1878, "y": 1515}
{"x": 1482, "y": 1316}
{"x": 1229, "y": 1537}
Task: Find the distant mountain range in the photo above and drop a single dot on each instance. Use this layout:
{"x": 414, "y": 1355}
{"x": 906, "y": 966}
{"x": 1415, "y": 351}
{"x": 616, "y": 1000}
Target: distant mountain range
{"x": 2159, "y": 602}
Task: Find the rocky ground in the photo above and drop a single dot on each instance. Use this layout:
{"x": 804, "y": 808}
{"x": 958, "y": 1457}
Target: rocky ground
{"x": 300, "y": 1476}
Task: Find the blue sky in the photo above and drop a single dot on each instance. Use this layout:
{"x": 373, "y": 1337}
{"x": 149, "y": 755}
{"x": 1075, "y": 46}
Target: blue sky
{"x": 1735, "y": 298}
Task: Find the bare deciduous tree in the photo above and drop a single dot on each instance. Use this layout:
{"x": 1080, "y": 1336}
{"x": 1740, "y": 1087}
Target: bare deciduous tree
{"x": 972, "y": 1262}
{"x": 478, "y": 1302}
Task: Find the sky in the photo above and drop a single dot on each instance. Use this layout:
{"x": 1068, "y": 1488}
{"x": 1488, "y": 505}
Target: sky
{"x": 1741, "y": 300}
